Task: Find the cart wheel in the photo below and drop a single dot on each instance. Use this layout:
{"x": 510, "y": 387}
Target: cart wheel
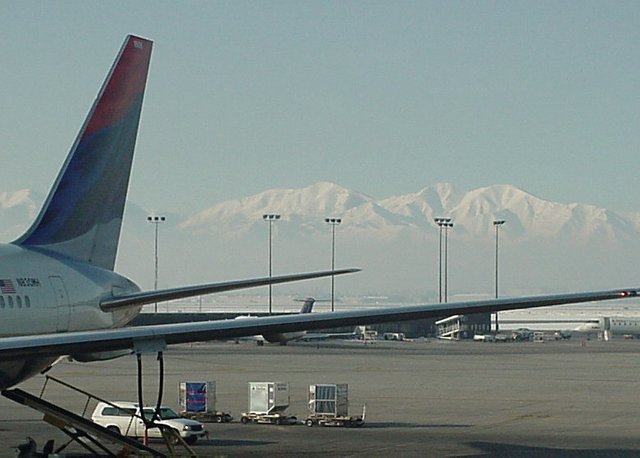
{"x": 244, "y": 420}
{"x": 309, "y": 422}
{"x": 219, "y": 419}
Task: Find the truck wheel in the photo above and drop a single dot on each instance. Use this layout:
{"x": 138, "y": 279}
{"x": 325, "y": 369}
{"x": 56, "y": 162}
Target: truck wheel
{"x": 244, "y": 420}
{"x": 309, "y": 422}
{"x": 219, "y": 418}
{"x": 114, "y": 429}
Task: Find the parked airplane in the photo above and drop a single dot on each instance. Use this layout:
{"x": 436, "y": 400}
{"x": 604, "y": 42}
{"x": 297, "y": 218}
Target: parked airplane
{"x": 60, "y": 295}
{"x": 281, "y": 337}
{"x": 359, "y": 332}
{"x": 616, "y": 325}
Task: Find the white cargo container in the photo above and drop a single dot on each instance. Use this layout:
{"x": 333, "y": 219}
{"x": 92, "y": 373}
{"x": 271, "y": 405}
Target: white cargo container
{"x": 268, "y": 397}
{"x": 329, "y": 400}
{"x": 267, "y": 403}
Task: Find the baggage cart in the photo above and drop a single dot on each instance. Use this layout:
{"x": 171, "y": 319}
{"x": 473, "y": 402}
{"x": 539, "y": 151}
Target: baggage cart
{"x": 268, "y": 419}
{"x": 329, "y": 406}
{"x": 198, "y": 402}
{"x": 346, "y": 421}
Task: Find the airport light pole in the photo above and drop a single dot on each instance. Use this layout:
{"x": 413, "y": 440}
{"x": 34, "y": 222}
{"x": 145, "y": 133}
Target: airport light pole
{"x": 497, "y": 223}
{"x": 156, "y": 220}
{"x": 270, "y": 218}
{"x": 440, "y": 221}
{"x": 333, "y": 222}
{"x": 447, "y": 225}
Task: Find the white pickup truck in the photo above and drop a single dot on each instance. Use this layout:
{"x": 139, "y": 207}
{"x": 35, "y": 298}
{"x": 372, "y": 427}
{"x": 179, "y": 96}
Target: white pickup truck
{"x": 125, "y": 418}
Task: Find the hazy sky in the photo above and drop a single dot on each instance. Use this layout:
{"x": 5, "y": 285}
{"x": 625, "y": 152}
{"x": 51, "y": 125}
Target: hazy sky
{"x": 381, "y": 97}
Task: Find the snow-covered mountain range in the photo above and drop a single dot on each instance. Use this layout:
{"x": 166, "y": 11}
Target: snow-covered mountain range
{"x": 473, "y": 212}
{"x": 545, "y": 246}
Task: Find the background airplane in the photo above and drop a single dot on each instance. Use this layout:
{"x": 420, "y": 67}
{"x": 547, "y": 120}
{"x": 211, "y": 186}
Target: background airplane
{"x": 62, "y": 297}
{"x": 281, "y": 338}
{"x": 359, "y": 332}
{"x": 615, "y": 325}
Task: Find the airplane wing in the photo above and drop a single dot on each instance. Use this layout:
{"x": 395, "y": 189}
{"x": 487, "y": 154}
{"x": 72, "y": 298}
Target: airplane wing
{"x": 156, "y": 337}
{"x": 150, "y": 297}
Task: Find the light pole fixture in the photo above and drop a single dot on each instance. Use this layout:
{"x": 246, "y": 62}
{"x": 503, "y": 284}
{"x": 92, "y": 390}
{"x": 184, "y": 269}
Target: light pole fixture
{"x": 440, "y": 221}
{"x": 447, "y": 225}
{"x": 270, "y": 218}
{"x": 497, "y": 223}
{"x": 156, "y": 220}
{"x": 333, "y": 222}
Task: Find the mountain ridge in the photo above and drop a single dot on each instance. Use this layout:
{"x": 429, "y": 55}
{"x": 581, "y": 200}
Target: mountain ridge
{"x": 546, "y": 246}
{"x": 471, "y": 211}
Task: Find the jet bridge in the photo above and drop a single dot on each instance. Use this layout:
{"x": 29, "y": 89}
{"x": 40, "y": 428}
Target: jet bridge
{"x": 458, "y": 327}
{"x": 450, "y": 328}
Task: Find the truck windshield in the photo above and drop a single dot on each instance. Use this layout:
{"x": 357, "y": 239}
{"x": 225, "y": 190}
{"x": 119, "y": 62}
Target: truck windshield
{"x": 165, "y": 413}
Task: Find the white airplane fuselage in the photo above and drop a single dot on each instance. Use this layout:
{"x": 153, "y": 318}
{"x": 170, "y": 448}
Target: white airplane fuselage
{"x": 46, "y": 293}
{"x": 617, "y": 325}
{"x": 284, "y": 337}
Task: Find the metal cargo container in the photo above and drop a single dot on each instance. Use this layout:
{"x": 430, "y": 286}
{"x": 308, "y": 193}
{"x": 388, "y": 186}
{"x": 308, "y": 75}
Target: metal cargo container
{"x": 331, "y": 400}
{"x": 197, "y": 397}
{"x": 268, "y": 397}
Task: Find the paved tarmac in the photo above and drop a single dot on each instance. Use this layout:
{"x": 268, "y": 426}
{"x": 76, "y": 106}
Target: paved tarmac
{"x": 424, "y": 398}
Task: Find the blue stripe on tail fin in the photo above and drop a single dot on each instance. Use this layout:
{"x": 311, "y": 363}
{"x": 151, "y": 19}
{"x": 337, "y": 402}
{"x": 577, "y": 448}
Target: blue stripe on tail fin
{"x": 307, "y": 305}
{"x": 82, "y": 215}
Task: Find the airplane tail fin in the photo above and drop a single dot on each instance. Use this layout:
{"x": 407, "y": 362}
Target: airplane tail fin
{"x": 82, "y": 215}
{"x": 307, "y": 305}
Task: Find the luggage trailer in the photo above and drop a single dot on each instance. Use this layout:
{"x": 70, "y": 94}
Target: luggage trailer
{"x": 329, "y": 406}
